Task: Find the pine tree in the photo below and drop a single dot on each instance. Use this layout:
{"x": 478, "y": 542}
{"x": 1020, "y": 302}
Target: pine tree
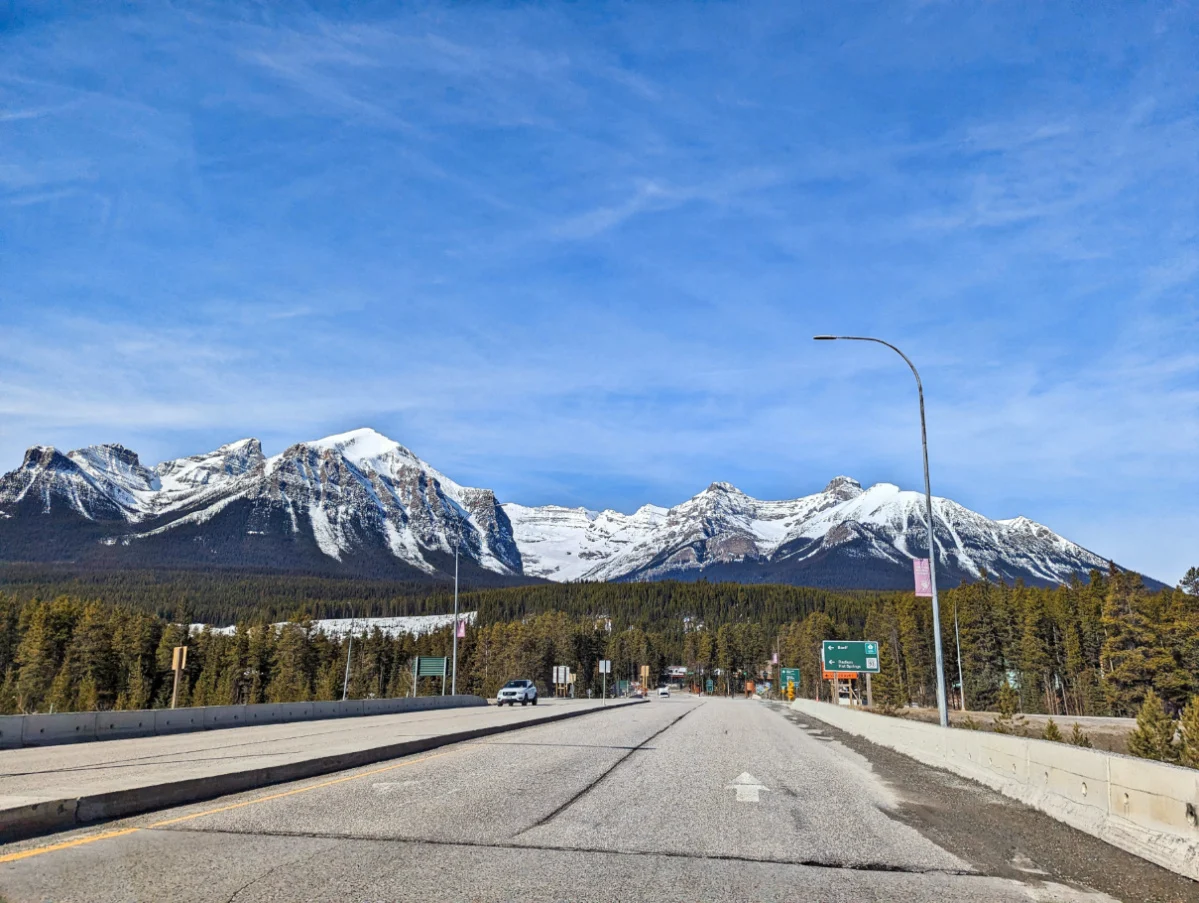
{"x": 1078, "y": 737}
{"x": 1008, "y": 721}
{"x": 1190, "y": 583}
{"x": 92, "y": 652}
{"x": 46, "y": 629}
{"x": 292, "y": 679}
{"x": 1154, "y": 736}
{"x": 1128, "y": 645}
{"x": 1035, "y": 662}
{"x": 1188, "y": 725}
{"x": 1052, "y": 732}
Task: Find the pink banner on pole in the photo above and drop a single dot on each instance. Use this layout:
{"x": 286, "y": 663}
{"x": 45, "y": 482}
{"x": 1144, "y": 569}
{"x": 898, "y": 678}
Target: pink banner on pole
{"x": 462, "y": 629}
{"x": 774, "y": 659}
{"x": 924, "y": 580}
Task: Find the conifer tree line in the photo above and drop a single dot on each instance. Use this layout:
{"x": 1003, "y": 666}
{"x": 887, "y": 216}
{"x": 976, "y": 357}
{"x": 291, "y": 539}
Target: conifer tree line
{"x": 1098, "y": 647}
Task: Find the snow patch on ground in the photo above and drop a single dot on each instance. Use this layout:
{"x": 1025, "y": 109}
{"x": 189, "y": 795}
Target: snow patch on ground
{"x": 415, "y": 625}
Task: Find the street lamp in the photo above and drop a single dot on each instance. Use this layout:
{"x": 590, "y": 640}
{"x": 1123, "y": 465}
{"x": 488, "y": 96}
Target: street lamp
{"x": 454, "y": 678}
{"x": 928, "y": 510}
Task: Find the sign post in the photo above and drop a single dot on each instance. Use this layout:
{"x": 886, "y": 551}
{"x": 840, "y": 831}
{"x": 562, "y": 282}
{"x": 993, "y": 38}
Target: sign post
{"x": 178, "y": 663}
{"x": 789, "y": 681}
{"x": 425, "y": 666}
{"x": 605, "y": 667}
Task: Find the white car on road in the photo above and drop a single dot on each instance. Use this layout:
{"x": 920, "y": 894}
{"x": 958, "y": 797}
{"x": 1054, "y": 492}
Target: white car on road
{"x": 663, "y": 691}
{"x": 514, "y": 691}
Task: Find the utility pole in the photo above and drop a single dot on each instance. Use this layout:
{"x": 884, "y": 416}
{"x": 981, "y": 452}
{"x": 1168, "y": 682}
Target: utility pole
{"x": 958, "y": 640}
{"x": 345, "y": 686}
{"x": 942, "y": 707}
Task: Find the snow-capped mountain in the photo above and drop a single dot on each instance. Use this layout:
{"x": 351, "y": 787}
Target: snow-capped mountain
{"x": 358, "y": 499}
{"x": 361, "y": 503}
{"x": 844, "y": 536}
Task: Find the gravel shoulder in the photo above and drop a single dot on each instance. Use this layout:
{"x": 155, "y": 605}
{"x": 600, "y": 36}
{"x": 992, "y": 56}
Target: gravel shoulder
{"x": 1000, "y": 836}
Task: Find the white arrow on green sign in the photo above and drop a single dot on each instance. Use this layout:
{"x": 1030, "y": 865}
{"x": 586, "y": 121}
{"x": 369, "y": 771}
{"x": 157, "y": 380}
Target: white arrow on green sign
{"x": 851, "y": 655}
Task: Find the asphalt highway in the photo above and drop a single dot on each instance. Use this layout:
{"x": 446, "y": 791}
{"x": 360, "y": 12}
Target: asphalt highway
{"x": 677, "y": 799}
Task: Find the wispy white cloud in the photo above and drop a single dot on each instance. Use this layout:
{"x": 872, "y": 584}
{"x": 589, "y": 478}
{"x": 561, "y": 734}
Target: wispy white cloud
{"x": 580, "y": 260}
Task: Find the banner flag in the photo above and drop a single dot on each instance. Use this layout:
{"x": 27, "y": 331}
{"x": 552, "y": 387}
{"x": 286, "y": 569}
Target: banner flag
{"x": 924, "y": 580}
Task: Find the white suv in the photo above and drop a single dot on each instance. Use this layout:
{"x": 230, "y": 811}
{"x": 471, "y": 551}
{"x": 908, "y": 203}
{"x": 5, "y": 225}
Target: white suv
{"x": 514, "y": 691}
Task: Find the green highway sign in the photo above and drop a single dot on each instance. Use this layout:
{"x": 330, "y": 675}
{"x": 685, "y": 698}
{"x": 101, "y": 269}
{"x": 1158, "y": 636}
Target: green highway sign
{"x": 788, "y": 675}
{"x": 430, "y": 667}
{"x": 851, "y": 655}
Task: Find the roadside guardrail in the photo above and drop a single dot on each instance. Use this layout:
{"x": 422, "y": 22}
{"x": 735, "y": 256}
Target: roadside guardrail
{"x": 1145, "y": 807}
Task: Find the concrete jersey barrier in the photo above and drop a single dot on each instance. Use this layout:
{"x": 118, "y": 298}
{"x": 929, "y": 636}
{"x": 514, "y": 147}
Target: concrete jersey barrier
{"x": 75, "y": 727}
{"x": 1147, "y": 808}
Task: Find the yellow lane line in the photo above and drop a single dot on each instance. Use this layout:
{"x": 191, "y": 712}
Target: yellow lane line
{"x": 13, "y": 857}
{"x": 107, "y": 835}
{"x": 278, "y": 796}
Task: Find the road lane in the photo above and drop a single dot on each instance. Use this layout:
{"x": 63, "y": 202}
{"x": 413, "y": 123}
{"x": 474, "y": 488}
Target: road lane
{"x": 820, "y": 806}
{"x": 623, "y": 805}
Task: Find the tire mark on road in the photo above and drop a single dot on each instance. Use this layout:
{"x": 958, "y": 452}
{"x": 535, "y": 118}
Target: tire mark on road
{"x": 599, "y": 780}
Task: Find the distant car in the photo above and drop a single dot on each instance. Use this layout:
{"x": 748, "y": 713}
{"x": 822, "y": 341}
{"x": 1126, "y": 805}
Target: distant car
{"x": 514, "y": 691}
{"x": 663, "y": 691}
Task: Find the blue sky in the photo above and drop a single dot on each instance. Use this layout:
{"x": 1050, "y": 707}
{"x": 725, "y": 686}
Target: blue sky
{"x": 576, "y": 252}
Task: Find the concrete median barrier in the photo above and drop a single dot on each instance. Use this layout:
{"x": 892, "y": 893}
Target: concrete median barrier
{"x": 50, "y": 730}
{"x": 10, "y": 731}
{"x": 115, "y": 725}
{"x": 1147, "y": 808}
{"x": 76, "y": 727}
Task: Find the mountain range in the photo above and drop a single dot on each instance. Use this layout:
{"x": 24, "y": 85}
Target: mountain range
{"x": 359, "y": 503}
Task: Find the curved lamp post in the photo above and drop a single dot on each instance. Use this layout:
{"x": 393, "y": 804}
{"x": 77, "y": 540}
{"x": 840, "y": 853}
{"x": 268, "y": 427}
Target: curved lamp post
{"x": 928, "y": 510}
{"x": 454, "y": 678}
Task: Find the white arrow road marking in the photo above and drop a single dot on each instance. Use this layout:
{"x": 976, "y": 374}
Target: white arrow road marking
{"x": 747, "y": 788}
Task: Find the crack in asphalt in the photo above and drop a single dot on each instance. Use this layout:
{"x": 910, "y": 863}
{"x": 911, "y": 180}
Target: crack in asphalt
{"x": 549, "y": 848}
{"x": 599, "y": 780}
{"x": 274, "y": 868}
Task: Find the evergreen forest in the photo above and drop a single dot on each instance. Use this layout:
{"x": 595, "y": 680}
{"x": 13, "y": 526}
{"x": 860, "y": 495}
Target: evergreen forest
{"x": 1102, "y": 646}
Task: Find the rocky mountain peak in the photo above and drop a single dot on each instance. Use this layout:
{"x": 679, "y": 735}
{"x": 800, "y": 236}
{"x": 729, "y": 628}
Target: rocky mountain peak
{"x": 43, "y": 457}
{"x": 111, "y": 451}
{"x": 844, "y": 487}
{"x": 722, "y": 487}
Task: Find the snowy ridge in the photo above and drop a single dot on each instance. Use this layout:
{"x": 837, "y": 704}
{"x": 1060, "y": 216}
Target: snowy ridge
{"x": 364, "y": 503}
{"x": 355, "y": 496}
{"x": 722, "y": 528}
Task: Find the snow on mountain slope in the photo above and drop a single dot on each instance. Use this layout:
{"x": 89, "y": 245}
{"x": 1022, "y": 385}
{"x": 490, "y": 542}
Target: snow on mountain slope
{"x": 363, "y": 502}
{"x": 726, "y": 530}
{"x": 184, "y": 480}
{"x": 357, "y": 495}
{"x": 414, "y": 625}
{"x": 104, "y": 482}
{"x": 569, "y": 543}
